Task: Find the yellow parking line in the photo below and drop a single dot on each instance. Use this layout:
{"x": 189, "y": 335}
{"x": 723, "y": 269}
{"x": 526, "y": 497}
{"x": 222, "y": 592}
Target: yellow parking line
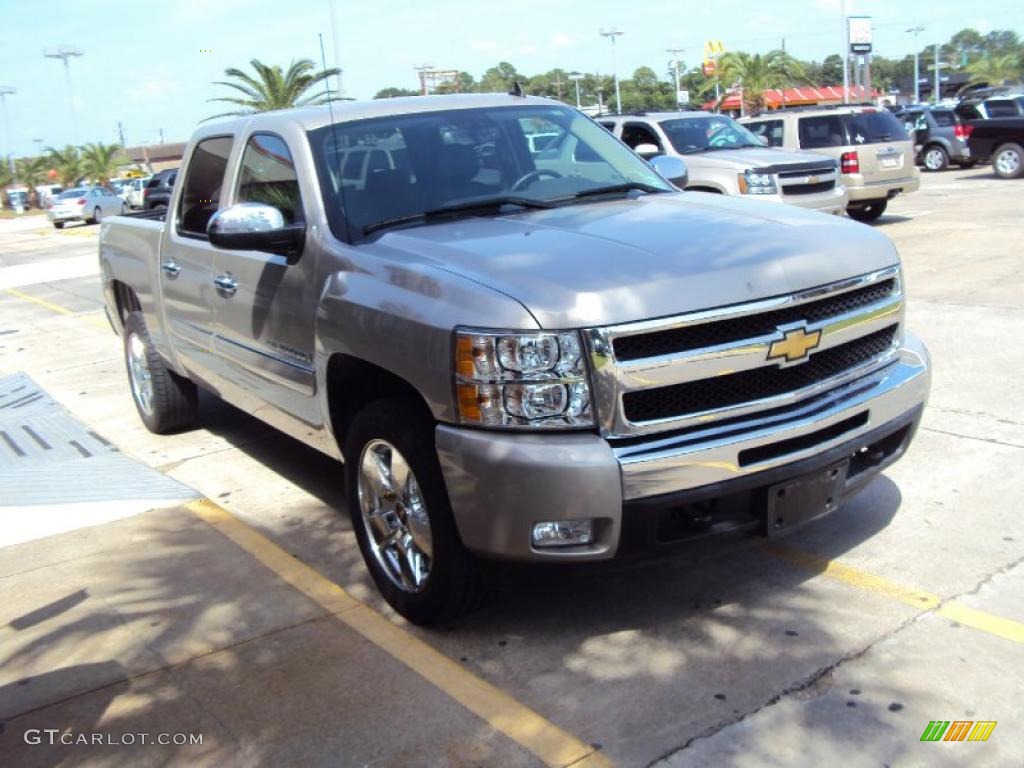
{"x": 547, "y": 741}
{"x": 97, "y": 320}
{"x": 916, "y": 598}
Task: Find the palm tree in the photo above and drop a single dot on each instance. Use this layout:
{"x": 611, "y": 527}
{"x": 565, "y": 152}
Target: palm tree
{"x": 100, "y": 161}
{"x": 757, "y": 74}
{"x": 68, "y": 164}
{"x": 31, "y": 171}
{"x": 995, "y": 70}
{"x": 273, "y": 88}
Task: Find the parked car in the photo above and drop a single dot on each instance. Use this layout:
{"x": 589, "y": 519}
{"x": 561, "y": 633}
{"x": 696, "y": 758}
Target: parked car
{"x": 134, "y": 195}
{"x": 1000, "y": 139}
{"x": 724, "y": 157}
{"x": 940, "y": 137}
{"x": 876, "y": 157}
{"x": 88, "y": 204}
{"x": 1006, "y": 105}
{"x": 157, "y": 192}
{"x": 557, "y": 364}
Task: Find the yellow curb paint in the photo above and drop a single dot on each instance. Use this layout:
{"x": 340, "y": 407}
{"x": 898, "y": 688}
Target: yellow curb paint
{"x": 916, "y": 598}
{"x": 547, "y": 741}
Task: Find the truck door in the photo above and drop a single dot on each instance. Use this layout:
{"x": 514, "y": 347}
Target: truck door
{"x": 265, "y": 318}
{"x": 186, "y": 268}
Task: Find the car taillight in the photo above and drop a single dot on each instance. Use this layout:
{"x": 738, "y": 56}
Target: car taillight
{"x": 963, "y": 131}
{"x": 80, "y": 202}
{"x": 849, "y": 162}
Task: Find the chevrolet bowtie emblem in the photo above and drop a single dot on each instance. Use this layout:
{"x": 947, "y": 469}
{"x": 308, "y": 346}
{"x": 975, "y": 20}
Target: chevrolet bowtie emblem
{"x": 794, "y": 345}
{"x": 813, "y": 179}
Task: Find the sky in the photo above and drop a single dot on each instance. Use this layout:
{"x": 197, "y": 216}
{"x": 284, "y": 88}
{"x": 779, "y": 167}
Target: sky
{"x": 151, "y": 67}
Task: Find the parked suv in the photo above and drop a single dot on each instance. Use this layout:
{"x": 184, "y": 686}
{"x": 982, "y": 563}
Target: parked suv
{"x": 722, "y": 156}
{"x": 157, "y": 193}
{"x": 939, "y": 136}
{"x": 875, "y": 154}
{"x": 993, "y": 106}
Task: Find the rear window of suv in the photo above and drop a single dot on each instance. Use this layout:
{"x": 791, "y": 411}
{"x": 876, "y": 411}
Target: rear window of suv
{"x": 944, "y": 117}
{"x": 874, "y": 128}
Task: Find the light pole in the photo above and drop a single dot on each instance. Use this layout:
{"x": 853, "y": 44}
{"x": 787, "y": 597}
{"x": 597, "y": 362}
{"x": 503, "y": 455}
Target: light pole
{"x": 846, "y": 54}
{"x": 5, "y": 91}
{"x": 611, "y": 34}
{"x": 917, "y": 76}
{"x": 65, "y": 53}
{"x": 576, "y": 77}
{"x": 675, "y": 70}
{"x": 423, "y": 69}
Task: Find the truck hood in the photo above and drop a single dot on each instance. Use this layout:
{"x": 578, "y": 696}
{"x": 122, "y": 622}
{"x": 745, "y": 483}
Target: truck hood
{"x": 653, "y": 256}
{"x": 755, "y": 157}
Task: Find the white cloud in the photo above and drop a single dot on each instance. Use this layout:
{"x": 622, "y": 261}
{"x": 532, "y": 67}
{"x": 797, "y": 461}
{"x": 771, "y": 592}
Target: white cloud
{"x": 562, "y": 40}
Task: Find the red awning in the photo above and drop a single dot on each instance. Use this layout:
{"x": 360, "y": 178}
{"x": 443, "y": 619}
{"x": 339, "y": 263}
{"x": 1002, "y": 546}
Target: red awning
{"x": 792, "y": 97}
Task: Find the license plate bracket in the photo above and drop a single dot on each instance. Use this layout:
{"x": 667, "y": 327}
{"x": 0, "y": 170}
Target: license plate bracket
{"x": 802, "y": 499}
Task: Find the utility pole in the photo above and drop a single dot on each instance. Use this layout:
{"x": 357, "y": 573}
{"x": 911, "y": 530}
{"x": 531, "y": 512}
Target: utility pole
{"x": 120, "y": 133}
{"x": 5, "y": 91}
{"x": 611, "y": 34}
{"x": 423, "y": 69}
{"x": 558, "y": 85}
{"x": 917, "y": 72}
{"x": 938, "y": 79}
{"x": 675, "y": 70}
{"x": 64, "y": 53}
{"x": 161, "y": 131}
{"x": 576, "y": 76}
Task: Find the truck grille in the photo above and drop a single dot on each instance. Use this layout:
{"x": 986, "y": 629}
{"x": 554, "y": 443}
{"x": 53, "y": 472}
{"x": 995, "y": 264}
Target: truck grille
{"x": 711, "y": 334}
{"x": 757, "y": 384}
{"x": 809, "y": 189}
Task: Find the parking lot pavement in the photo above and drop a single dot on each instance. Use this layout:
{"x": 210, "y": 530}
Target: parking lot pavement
{"x": 910, "y": 595}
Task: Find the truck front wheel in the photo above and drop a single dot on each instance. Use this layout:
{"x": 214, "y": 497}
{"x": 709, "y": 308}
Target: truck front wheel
{"x": 402, "y": 517}
{"x": 166, "y": 402}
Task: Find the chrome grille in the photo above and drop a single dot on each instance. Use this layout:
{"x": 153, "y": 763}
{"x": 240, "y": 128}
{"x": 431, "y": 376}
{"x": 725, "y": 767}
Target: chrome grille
{"x": 707, "y": 367}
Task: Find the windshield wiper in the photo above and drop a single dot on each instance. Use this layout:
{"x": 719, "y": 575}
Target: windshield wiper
{"x": 489, "y": 205}
{"x": 629, "y": 186}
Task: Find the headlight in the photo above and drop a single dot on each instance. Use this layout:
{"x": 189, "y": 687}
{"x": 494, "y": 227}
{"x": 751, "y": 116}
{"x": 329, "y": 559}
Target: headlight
{"x": 521, "y": 380}
{"x": 754, "y": 183}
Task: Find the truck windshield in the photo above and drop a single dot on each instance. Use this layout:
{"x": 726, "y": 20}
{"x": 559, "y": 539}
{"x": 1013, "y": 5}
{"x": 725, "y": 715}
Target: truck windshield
{"x": 701, "y": 134}
{"x": 403, "y": 168}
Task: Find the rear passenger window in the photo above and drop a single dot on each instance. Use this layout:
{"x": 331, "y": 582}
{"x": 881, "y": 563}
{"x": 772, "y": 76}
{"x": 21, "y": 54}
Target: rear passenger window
{"x": 268, "y": 176}
{"x": 1001, "y": 108}
{"x": 203, "y": 182}
{"x": 770, "y": 129}
{"x": 944, "y": 118}
{"x": 821, "y": 132}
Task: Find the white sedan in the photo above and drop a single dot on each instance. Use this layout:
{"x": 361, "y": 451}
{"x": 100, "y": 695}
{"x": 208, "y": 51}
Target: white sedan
{"x": 88, "y": 204}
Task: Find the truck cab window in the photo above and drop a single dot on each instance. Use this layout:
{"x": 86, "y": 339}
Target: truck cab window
{"x": 635, "y": 134}
{"x": 203, "y": 181}
{"x": 268, "y": 176}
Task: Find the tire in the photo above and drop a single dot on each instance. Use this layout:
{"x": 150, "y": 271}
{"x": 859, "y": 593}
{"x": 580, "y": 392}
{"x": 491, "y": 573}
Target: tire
{"x": 869, "y": 212}
{"x": 97, "y": 216}
{"x": 170, "y": 402}
{"x": 58, "y": 225}
{"x": 158, "y": 206}
{"x": 935, "y": 158}
{"x": 450, "y": 586}
{"x": 1008, "y": 161}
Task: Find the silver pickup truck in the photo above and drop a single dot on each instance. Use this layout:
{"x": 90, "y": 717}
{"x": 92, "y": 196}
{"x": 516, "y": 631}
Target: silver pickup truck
{"x": 557, "y": 363}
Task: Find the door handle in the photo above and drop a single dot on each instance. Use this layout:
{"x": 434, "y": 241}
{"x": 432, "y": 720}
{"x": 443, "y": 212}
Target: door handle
{"x": 171, "y": 267}
{"x": 226, "y": 284}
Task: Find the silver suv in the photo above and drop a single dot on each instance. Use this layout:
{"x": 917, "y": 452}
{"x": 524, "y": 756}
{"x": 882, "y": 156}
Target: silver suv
{"x": 724, "y": 157}
{"x": 875, "y": 154}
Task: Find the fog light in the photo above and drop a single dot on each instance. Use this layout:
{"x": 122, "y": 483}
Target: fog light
{"x": 563, "y": 533}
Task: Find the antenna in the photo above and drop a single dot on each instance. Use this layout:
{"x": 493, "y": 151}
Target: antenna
{"x": 334, "y": 126}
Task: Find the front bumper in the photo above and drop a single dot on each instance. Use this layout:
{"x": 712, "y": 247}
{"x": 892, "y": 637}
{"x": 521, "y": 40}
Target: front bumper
{"x": 500, "y": 484}
{"x": 833, "y": 201}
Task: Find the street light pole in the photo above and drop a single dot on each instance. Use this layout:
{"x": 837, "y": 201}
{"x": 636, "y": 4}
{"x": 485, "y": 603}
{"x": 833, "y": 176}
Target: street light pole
{"x": 675, "y": 70}
{"x": 65, "y": 53}
{"x": 846, "y": 54}
{"x": 917, "y": 72}
{"x": 576, "y": 77}
{"x": 611, "y": 34}
{"x": 5, "y": 91}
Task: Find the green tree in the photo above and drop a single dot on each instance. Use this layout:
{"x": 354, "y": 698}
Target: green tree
{"x": 756, "y": 74}
{"x": 273, "y": 88}
{"x": 995, "y": 70}
{"x": 100, "y": 161}
{"x": 68, "y": 164}
{"x": 31, "y": 171}
{"x": 500, "y": 78}
{"x": 391, "y": 93}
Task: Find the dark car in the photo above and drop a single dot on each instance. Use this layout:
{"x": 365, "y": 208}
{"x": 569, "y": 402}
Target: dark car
{"x": 940, "y": 137}
{"x": 1002, "y": 140}
{"x": 157, "y": 193}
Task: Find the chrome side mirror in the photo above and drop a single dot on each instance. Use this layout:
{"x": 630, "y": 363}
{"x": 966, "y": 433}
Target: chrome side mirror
{"x": 647, "y": 150}
{"x": 672, "y": 169}
{"x": 256, "y": 227}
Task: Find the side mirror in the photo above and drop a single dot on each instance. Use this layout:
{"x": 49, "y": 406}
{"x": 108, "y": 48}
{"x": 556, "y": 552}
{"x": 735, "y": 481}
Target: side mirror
{"x": 256, "y": 227}
{"x": 671, "y": 169}
{"x": 647, "y": 150}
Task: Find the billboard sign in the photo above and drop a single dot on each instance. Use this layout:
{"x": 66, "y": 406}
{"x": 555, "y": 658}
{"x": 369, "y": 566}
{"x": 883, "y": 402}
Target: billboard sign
{"x": 858, "y": 32}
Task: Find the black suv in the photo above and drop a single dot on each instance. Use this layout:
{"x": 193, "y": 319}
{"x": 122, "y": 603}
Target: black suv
{"x": 157, "y": 193}
{"x": 940, "y": 138}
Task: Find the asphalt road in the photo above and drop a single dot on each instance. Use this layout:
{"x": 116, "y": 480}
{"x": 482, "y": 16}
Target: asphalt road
{"x": 838, "y": 645}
